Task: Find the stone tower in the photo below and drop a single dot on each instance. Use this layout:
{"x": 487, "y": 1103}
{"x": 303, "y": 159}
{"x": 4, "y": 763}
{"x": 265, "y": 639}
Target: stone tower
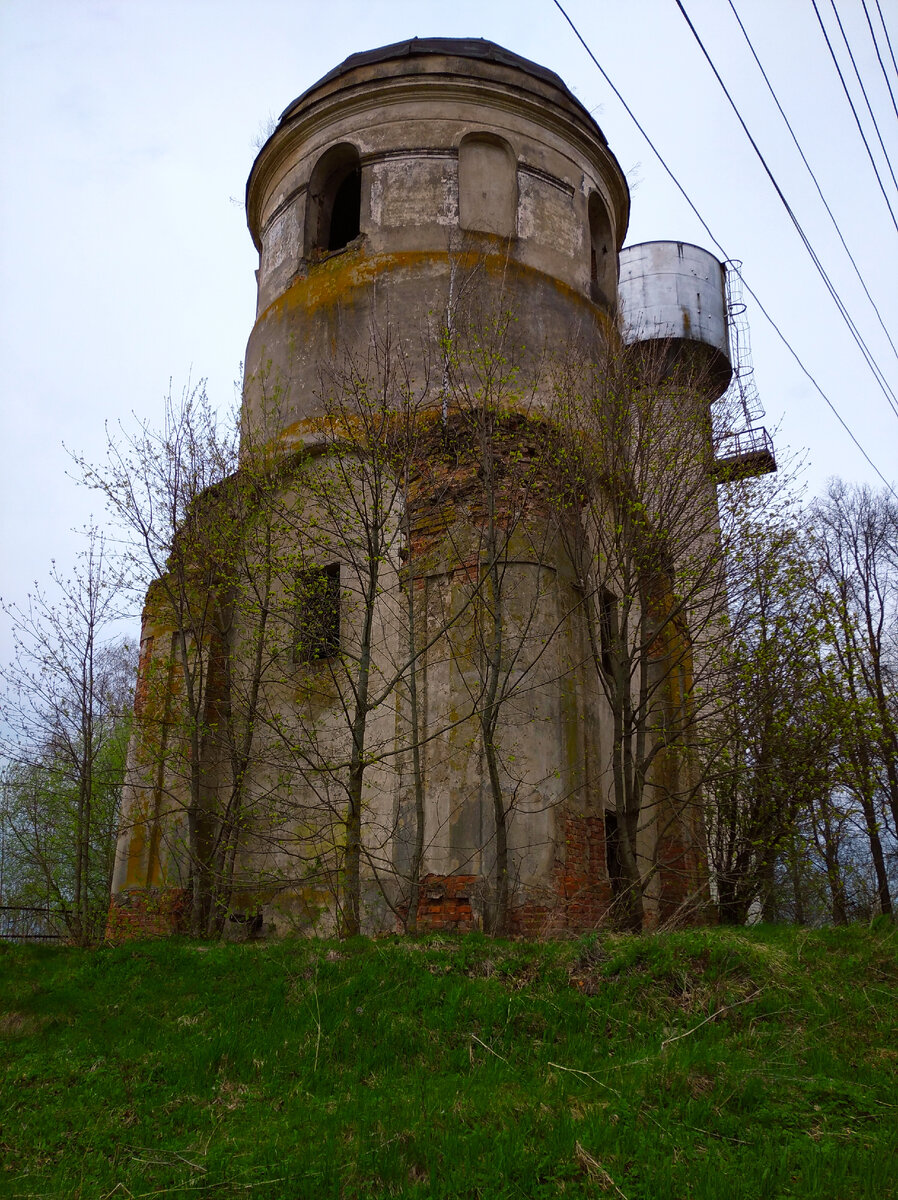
{"x": 445, "y": 212}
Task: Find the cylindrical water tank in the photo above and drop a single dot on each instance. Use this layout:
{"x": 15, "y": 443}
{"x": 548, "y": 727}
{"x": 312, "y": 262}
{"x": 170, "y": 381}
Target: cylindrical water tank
{"x": 676, "y": 292}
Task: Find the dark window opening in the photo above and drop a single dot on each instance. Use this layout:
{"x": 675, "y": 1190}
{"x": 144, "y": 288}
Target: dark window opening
{"x": 612, "y": 853}
{"x": 345, "y": 211}
{"x": 317, "y": 632}
{"x": 607, "y": 630}
{"x": 596, "y": 292}
{"x": 601, "y": 282}
{"x": 334, "y": 202}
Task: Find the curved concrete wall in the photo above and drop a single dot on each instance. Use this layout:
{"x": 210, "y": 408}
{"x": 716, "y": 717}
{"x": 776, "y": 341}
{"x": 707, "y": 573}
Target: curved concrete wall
{"x": 455, "y": 153}
{"x": 405, "y": 177}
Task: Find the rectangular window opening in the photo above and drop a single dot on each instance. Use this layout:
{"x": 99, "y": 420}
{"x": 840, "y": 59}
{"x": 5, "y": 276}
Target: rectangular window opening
{"x": 607, "y": 629}
{"x": 317, "y": 628}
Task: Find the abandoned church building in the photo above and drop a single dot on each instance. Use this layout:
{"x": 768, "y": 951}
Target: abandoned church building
{"x": 428, "y": 658}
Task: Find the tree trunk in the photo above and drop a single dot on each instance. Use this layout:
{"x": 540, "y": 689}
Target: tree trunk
{"x": 627, "y": 778}
{"x": 876, "y": 853}
{"x": 352, "y": 860}
{"x": 414, "y": 901}
{"x": 866, "y": 792}
{"x": 499, "y": 923}
{"x": 797, "y": 883}
{"x": 828, "y": 848}
{"x": 733, "y": 901}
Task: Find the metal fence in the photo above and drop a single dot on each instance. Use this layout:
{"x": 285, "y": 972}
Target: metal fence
{"x": 19, "y": 923}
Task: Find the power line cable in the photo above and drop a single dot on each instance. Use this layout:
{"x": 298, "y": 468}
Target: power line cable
{"x": 721, "y": 250}
{"x": 882, "y": 65}
{"x": 814, "y": 178}
{"x": 882, "y": 21}
{"x": 846, "y": 316}
{"x": 863, "y": 91}
{"x": 854, "y": 113}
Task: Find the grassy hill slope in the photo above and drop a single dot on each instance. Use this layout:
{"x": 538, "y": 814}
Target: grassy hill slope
{"x": 711, "y": 1063}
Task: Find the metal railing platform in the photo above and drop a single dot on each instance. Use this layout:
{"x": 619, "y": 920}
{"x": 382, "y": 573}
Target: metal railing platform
{"x": 745, "y": 452}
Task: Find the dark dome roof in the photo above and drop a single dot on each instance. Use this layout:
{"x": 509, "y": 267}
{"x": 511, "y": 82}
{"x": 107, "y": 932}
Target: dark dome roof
{"x": 416, "y": 47}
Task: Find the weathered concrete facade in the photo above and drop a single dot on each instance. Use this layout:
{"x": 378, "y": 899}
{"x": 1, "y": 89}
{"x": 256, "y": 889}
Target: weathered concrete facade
{"x": 446, "y": 145}
{"x": 384, "y": 190}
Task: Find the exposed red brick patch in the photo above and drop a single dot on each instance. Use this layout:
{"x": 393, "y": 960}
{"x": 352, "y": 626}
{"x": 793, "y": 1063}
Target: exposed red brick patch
{"x": 684, "y": 874}
{"x": 580, "y": 876}
{"x": 445, "y": 902}
{"x": 580, "y": 900}
{"x": 145, "y": 913}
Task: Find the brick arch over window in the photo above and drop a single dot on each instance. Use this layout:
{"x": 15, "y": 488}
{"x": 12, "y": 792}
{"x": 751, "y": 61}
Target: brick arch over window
{"x": 333, "y": 214}
{"x": 602, "y": 259}
{"x": 487, "y": 185}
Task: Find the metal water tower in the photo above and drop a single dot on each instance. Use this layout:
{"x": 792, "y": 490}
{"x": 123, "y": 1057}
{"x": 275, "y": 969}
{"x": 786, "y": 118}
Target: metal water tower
{"x": 681, "y": 295}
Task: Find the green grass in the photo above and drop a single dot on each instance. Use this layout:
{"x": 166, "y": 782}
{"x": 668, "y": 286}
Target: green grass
{"x": 713, "y": 1063}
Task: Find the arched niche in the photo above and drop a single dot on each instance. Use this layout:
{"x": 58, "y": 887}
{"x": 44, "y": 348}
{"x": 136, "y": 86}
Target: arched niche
{"x": 333, "y": 213}
{"x": 602, "y": 281}
{"x": 487, "y": 185}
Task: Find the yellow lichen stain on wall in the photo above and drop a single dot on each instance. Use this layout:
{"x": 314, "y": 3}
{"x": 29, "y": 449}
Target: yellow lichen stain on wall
{"x": 333, "y": 281}
{"x": 136, "y": 872}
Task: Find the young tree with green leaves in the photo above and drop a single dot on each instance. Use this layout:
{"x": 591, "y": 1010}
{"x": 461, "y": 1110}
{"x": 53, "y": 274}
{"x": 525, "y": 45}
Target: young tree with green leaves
{"x": 67, "y": 701}
{"x": 857, "y": 542}
{"x": 507, "y": 647}
{"x": 177, "y": 495}
{"x": 348, "y": 643}
{"x": 769, "y": 749}
{"x": 638, "y": 484}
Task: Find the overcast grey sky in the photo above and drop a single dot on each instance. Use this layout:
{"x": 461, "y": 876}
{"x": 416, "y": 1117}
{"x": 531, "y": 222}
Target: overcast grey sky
{"x": 127, "y": 131}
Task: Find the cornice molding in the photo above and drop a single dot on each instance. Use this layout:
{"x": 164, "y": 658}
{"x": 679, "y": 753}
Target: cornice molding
{"x": 375, "y": 94}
